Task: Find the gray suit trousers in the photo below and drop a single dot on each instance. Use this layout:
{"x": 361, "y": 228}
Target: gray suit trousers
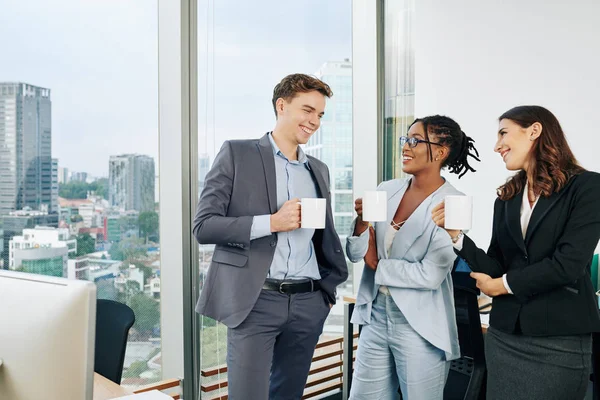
{"x": 270, "y": 352}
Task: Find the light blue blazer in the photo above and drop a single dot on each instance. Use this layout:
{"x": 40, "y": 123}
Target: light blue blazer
{"x": 417, "y": 270}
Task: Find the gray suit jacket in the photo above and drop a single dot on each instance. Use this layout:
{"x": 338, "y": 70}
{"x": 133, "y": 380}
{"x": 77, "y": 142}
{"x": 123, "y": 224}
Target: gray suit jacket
{"x": 240, "y": 185}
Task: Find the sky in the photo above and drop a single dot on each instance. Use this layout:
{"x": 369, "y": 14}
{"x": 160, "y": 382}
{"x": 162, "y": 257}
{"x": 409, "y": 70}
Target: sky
{"x": 245, "y": 48}
{"x": 100, "y": 60}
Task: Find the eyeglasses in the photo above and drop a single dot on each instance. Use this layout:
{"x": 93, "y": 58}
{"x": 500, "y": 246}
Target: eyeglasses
{"x": 413, "y": 141}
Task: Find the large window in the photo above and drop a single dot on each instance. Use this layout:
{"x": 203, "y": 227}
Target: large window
{"x": 399, "y": 82}
{"x": 79, "y": 155}
{"x": 244, "y": 50}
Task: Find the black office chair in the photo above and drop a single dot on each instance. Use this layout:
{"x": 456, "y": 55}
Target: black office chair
{"x": 467, "y": 376}
{"x": 113, "y": 321}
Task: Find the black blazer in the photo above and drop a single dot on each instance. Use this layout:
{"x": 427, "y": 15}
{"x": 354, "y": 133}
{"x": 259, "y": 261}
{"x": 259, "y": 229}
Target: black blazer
{"x": 549, "y": 271}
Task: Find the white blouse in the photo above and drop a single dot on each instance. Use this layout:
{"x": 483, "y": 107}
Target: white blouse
{"x": 389, "y": 239}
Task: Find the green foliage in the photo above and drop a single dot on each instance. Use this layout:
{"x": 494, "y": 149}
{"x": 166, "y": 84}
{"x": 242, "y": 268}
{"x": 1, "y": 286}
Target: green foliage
{"x": 79, "y": 190}
{"x": 146, "y": 310}
{"x": 135, "y": 369}
{"x": 214, "y": 343}
{"x": 128, "y": 249}
{"x": 147, "y": 271}
{"x": 148, "y": 224}
{"x": 86, "y": 244}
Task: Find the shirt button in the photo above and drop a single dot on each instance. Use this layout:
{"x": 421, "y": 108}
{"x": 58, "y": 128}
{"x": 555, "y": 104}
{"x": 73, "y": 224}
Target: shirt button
{"x": 273, "y": 243}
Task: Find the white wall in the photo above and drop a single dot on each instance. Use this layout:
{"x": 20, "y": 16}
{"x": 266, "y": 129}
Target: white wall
{"x": 476, "y": 59}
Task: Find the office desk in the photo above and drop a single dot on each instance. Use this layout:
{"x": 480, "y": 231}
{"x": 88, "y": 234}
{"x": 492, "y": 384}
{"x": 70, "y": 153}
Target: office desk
{"x": 105, "y": 389}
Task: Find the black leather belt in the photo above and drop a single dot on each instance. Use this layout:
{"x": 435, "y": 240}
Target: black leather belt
{"x": 291, "y": 287}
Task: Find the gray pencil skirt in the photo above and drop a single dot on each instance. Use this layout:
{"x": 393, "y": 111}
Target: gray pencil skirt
{"x": 531, "y": 368}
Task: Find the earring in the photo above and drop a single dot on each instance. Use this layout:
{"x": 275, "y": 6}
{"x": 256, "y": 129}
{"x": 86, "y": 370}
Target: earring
{"x": 437, "y": 159}
{"x": 532, "y": 138}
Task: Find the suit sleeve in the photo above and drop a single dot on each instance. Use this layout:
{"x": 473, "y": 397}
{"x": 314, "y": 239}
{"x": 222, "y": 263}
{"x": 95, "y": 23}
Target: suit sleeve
{"x": 357, "y": 246}
{"x": 211, "y": 224}
{"x": 573, "y": 251}
{"x": 492, "y": 262}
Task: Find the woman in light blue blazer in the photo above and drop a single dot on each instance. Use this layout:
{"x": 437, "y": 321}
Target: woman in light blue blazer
{"x": 405, "y": 300}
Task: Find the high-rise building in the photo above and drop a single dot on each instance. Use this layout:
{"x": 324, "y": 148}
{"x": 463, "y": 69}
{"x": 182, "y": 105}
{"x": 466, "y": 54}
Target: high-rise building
{"x": 131, "y": 182}
{"x": 332, "y": 143}
{"x": 63, "y": 175}
{"x": 79, "y": 176}
{"x": 25, "y": 148}
{"x": 54, "y": 186}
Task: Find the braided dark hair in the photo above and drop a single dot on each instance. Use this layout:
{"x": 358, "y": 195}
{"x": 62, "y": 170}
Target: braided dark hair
{"x": 449, "y": 133}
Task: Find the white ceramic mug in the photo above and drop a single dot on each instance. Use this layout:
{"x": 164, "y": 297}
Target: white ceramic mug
{"x": 375, "y": 206}
{"x": 458, "y": 212}
{"x": 312, "y": 212}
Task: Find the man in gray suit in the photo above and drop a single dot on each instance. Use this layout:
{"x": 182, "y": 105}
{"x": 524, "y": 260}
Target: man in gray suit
{"x": 270, "y": 282}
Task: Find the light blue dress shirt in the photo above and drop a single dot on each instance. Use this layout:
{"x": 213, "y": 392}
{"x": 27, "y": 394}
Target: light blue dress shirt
{"x": 295, "y": 254}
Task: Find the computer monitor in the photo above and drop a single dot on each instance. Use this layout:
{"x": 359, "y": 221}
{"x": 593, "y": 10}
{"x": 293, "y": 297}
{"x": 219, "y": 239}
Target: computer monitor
{"x": 47, "y": 332}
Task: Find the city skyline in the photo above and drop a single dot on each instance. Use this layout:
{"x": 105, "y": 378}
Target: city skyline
{"x": 103, "y": 70}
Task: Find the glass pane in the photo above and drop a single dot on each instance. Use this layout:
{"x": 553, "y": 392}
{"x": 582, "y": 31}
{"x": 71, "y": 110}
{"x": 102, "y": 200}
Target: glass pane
{"x": 344, "y": 203}
{"x": 399, "y": 86}
{"x": 241, "y": 58}
{"x": 79, "y": 156}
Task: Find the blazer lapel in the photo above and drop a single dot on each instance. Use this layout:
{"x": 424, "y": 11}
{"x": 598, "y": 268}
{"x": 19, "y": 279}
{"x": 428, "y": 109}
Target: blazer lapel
{"x": 513, "y": 220}
{"x": 266, "y": 153}
{"x": 323, "y": 189}
{"x": 542, "y": 207}
{"x": 394, "y": 196}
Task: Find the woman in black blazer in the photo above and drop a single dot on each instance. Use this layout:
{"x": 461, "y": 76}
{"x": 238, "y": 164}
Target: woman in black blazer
{"x": 537, "y": 268}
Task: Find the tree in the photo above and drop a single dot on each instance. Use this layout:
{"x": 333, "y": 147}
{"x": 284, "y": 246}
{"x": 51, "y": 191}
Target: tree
{"x": 86, "y": 244}
{"x": 214, "y": 345}
{"x": 127, "y": 250}
{"x": 147, "y": 271}
{"x": 115, "y": 252}
{"x": 99, "y": 187}
{"x": 132, "y": 288}
{"x": 73, "y": 190}
{"x": 135, "y": 369}
{"x": 76, "y": 218}
{"x": 79, "y": 190}
{"x": 148, "y": 224}
{"x": 146, "y": 310}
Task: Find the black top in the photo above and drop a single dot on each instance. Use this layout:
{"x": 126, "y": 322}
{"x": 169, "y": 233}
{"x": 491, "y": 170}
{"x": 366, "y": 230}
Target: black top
{"x": 549, "y": 270}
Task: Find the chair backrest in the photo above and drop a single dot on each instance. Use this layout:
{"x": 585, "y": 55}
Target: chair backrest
{"x": 467, "y": 376}
{"x": 468, "y": 321}
{"x": 113, "y": 321}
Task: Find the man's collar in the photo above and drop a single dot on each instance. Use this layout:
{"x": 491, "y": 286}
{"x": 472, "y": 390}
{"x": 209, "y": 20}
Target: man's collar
{"x": 302, "y": 158}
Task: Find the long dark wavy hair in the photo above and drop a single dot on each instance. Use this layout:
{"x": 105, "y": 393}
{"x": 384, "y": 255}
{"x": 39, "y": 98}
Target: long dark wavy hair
{"x": 551, "y": 162}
